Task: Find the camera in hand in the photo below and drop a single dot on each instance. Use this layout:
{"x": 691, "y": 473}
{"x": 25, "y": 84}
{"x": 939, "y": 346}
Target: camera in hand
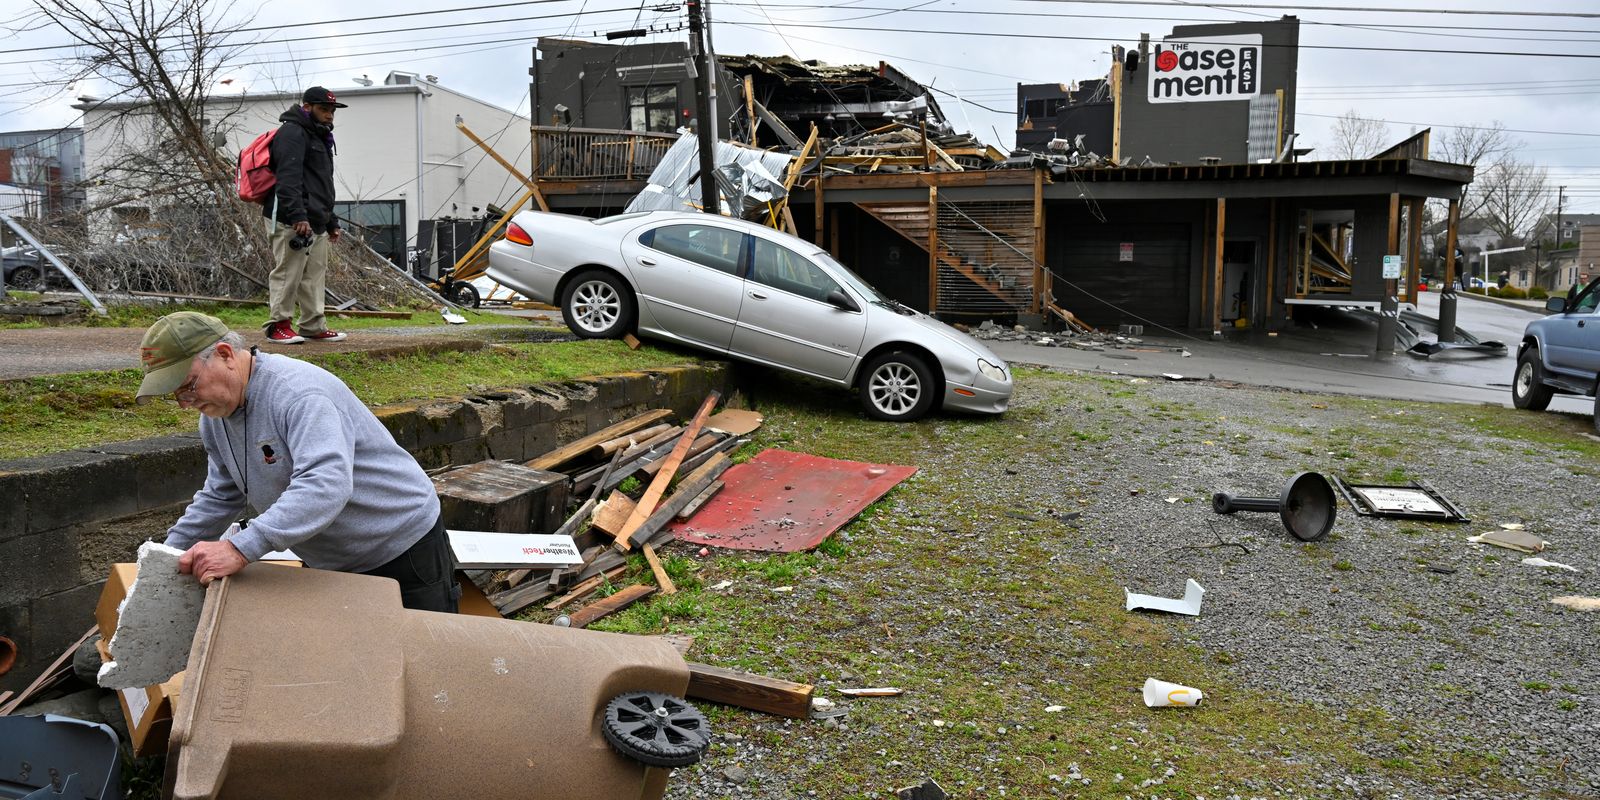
{"x": 301, "y": 241}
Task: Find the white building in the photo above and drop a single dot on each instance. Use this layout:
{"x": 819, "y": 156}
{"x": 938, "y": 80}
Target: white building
{"x": 399, "y": 157}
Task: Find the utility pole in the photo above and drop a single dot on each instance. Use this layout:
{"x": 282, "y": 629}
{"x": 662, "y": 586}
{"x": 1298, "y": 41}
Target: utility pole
{"x": 1561, "y": 198}
{"x": 702, "y": 109}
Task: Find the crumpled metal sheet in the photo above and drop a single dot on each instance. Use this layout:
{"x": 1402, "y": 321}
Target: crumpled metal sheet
{"x": 749, "y": 184}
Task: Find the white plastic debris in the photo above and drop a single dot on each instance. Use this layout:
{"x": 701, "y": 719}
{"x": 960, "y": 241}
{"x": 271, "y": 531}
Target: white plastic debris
{"x": 1158, "y": 694}
{"x": 1577, "y": 603}
{"x": 452, "y": 317}
{"x": 1054, "y": 709}
{"x": 1193, "y": 593}
{"x": 1535, "y": 561}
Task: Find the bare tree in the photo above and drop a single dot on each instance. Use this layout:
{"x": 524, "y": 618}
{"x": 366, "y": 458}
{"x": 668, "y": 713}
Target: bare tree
{"x": 1479, "y": 148}
{"x": 1516, "y": 196}
{"x": 1358, "y": 137}
{"x": 188, "y": 231}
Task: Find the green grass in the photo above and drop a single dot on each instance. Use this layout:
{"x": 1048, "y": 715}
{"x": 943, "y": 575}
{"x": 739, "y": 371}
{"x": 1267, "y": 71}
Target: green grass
{"x": 65, "y": 412}
{"x": 244, "y": 317}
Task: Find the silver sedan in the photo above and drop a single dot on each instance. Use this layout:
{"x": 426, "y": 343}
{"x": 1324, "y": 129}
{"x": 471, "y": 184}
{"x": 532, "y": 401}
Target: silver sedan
{"x": 745, "y": 290}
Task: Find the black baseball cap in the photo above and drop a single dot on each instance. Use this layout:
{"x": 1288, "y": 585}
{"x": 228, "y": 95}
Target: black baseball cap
{"x": 317, "y": 95}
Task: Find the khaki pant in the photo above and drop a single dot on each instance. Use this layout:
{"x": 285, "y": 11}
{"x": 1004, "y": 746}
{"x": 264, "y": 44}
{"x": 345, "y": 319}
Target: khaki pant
{"x": 297, "y": 280}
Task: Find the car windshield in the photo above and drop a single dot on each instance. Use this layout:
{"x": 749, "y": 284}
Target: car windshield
{"x": 849, "y": 278}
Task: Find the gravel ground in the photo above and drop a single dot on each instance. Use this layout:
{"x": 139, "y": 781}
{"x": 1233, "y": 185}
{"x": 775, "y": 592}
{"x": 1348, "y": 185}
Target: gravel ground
{"x": 1389, "y": 623}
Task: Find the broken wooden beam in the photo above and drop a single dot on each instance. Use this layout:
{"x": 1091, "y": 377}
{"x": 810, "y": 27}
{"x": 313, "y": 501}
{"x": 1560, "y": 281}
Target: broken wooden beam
{"x": 572, "y": 450}
{"x": 663, "y": 580}
{"x": 652, "y": 495}
{"x": 700, "y": 500}
{"x": 606, "y": 606}
{"x": 746, "y": 690}
{"x": 586, "y": 586}
{"x": 622, "y": 443}
{"x": 693, "y": 484}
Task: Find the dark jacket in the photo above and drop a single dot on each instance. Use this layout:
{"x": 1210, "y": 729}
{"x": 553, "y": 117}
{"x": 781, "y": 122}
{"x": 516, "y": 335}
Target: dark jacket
{"x": 302, "y": 161}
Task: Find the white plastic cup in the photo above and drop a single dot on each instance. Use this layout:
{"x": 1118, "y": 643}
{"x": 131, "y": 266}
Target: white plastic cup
{"x": 1160, "y": 693}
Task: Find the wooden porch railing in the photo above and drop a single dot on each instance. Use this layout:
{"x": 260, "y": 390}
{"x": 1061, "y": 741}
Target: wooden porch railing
{"x": 561, "y": 153}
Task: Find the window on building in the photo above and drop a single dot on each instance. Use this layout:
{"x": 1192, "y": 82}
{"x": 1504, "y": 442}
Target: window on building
{"x": 653, "y": 108}
{"x": 381, "y": 223}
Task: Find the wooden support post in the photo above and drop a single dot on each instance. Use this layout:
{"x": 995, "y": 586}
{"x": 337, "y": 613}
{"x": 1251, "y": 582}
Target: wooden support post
{"x": 833, "y": 233}
{"x": 933, "y": 249}
{"x": 817, "y": 207}
{"x": 1272, "y": 261}
{"x": 1116, "y": 103}
{"x": 1388, "y": 318}
{"x": 750, "y": 106}
{"x": 1041, "y": 288}
{"x": 1447, "y": 293}
{"x": 1216, "y": 265}
{"x": 1414, "y": 248}
{"x": 1305, "y": 255}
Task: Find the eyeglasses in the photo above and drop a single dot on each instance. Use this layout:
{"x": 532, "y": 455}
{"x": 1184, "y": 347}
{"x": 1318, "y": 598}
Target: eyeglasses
{"x": 186, "y": 392}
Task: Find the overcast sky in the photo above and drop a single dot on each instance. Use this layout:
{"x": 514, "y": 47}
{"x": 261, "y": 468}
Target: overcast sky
{"x": 976, "y": 50}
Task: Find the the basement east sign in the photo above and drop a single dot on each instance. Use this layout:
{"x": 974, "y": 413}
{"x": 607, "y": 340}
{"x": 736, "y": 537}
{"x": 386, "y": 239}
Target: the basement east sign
{"x": 1205, "y": 70}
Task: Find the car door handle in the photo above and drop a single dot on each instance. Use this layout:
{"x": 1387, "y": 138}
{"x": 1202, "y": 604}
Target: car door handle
{"x": 758, "y": 296}
{"x": 649, "y": 262}
{"x": 1580, "y": 323}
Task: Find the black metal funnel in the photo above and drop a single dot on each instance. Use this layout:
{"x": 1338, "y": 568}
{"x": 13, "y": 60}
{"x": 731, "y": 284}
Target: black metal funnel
{"x": 1306, "y": 505}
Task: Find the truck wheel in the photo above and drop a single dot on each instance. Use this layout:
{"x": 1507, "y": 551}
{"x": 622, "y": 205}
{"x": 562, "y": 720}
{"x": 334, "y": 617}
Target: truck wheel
{"x": 1527, "y": 388}
{"x": 656, "y": 729}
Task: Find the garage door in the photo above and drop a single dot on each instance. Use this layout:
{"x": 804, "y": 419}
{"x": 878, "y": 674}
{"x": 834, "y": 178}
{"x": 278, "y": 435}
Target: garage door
{"x": 1120, "y": 273}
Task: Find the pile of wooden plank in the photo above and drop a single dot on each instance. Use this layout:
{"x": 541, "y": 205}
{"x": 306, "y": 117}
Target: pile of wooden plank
{"x": 671, "y": 470}
{"x": 899, "y": 147}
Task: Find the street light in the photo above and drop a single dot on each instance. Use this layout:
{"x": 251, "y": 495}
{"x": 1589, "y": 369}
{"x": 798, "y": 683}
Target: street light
{"x": 1486, "y": 255}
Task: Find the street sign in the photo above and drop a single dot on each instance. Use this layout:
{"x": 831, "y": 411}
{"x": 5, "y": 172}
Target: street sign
{"x": 1393, "y": 266}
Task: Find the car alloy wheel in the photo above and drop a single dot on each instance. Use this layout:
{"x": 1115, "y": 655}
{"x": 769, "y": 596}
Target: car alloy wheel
{"x": 898, "y": 388}
{"x": 596, "y": 305}
{"x": 27, "y": 279}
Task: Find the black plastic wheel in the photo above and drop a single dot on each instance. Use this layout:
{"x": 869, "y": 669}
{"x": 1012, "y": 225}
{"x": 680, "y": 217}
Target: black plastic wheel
{"x": 464, "y": 294}
{"x": 656, "y": 729}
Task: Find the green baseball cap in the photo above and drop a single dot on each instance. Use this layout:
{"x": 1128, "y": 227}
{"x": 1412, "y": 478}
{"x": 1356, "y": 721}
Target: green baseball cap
{"x": 169, "y": 348}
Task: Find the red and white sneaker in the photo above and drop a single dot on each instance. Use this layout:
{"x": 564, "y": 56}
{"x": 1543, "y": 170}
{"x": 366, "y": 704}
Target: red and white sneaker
{"x": 323, "y": 336}
{"x": 281, "y": 333}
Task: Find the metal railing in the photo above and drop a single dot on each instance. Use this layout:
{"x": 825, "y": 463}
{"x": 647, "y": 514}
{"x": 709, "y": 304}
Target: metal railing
{"x": 561, "y": 153}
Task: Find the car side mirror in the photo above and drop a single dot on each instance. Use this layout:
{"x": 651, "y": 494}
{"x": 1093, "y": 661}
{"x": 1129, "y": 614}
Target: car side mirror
{"x": 1556, "y": 305}
{"x": 838, "y": 299}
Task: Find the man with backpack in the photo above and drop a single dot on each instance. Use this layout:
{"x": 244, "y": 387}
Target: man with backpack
{"x": 300, "y": 206}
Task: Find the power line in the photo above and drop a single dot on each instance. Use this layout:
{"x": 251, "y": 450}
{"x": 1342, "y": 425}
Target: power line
{"x": 1442, "y": 125}
{"x": 1303, "y": 7}
{"x": 1060, "y": 37}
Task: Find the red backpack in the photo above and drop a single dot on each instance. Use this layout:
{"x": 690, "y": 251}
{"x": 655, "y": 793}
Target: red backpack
{"x": 255, "y": 179}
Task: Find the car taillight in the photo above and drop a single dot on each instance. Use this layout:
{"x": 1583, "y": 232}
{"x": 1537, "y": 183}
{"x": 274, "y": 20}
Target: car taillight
{"x": 515, "y": 233}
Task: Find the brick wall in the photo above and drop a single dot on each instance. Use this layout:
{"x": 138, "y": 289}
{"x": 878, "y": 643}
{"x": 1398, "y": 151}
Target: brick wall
{"x": 66, "y": 517}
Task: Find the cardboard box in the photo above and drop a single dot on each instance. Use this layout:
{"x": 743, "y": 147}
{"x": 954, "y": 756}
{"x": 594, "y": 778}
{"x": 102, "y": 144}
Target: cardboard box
{"x": 148, "y": 711}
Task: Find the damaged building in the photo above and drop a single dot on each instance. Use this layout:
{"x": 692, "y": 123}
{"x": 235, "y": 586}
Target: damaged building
{"x": 1167, "y": 193}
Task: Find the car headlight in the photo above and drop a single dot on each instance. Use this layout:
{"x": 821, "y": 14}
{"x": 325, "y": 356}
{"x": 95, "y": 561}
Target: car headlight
{"x": 993, "y": 372}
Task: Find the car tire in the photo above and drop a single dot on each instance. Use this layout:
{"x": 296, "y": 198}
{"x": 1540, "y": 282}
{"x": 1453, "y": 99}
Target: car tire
{"x": 1528, "y": 390}
{"x": 897, "y": 387}
{"x": 26, "y": 279}
{"x": 597, "y": 305}
{"x": 464, "y": 294}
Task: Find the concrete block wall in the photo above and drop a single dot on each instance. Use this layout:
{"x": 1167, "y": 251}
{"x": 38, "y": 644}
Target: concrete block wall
{"x": 66, "y": 517}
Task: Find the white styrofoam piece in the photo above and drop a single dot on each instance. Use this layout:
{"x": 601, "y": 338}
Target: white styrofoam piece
{"x": 488, "y": 550}
{"x": 1193, "y": 593}
{"x": 156, "y": 622}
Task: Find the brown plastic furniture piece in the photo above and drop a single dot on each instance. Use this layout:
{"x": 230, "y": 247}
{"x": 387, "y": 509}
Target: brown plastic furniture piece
{"x": 305, "y": 683}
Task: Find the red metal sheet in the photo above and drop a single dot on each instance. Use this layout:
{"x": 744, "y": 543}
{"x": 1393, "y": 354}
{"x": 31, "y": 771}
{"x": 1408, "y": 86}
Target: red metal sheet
{"x": 786, "y": 502}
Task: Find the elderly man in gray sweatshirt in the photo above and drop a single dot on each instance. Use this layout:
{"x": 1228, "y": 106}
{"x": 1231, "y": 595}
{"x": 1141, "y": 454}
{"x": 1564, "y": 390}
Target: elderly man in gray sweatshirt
{"x": 290, "y": 442}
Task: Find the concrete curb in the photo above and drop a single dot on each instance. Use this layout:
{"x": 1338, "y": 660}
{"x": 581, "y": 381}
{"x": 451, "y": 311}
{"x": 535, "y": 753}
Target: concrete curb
{"x": 1520, "y": 305}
